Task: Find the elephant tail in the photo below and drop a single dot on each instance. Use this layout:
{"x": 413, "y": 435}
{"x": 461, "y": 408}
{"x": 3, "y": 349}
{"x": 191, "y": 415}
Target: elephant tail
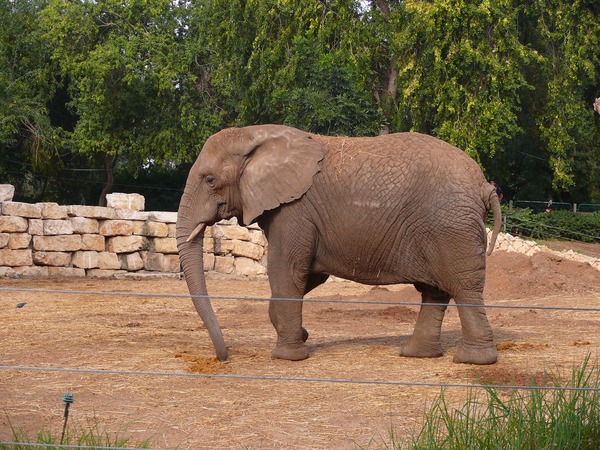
{"x": 492, "y": 202}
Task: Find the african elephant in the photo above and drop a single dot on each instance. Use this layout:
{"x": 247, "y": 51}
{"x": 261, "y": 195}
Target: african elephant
{"x": 397, "y": 208}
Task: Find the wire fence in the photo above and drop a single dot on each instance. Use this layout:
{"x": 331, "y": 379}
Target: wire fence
{"x": 279, "y": 379}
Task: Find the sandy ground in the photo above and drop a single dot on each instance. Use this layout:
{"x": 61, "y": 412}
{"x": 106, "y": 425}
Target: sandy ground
{"x": 348, "y": 341}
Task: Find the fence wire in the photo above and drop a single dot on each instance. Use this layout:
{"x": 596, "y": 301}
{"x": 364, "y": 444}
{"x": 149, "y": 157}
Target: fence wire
{"x": 306, "y": 300}
{"x": 299, "y": 379}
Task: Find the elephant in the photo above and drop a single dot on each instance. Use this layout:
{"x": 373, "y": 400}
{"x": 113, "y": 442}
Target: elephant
{"x": 397, "y": 208}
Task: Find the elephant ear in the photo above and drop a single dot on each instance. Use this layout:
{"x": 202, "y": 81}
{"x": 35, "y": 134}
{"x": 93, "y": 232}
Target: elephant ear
{"x": 281, "y": 162}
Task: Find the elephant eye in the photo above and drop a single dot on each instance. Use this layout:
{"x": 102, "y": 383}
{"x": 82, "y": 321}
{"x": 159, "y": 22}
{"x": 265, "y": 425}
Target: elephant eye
{"x": 210, "y": 181}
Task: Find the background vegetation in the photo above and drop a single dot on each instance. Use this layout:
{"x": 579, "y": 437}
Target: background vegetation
{"x": 121, "y": 94}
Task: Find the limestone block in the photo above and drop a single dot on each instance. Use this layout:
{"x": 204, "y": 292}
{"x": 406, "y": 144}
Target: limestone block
{"x": 249, "y": 267}
{"x": 6, "y": 272}
{"x": 4, "y": 239}
{"x": 131, "y": 261}
{"x": 108, "y": 260}
{"x": 53, "y": 211}
{"x": 258, "y": 237}
{"x": 36, "y": 227}
{"x": 10, "y": 224}
{"x": 31, "y": 271}
{"x": 224, "y": 264}
{"x": 209, "y": 245}
{"x": 209, "y": 261}
{"x": 154, "y": 229}
{"x": 230, "y": 232}
{"x": 171, "y": 264}
{"x": 172, "y": 230}
{"x": 83, "y": 225}
{"x": 7, "y": 192}
{"x": 103, "y": 273}
{"x": 116, "y": 228}
{"x": 93, "y": 242}
{"x": 223, "y": 247}
{"x": 153, "y": 261}
{"x": 19, "y": 240}
{"x": 55, "y": 227}
{"x": 130, "y": 214}
{"x": 120, "y": 200}
{"x": 127, "y": 244}
{"x": 64, "y": 243}
{"x": 15, "y": 258}
{"x": 163, "y": 216}
{"x": 164, "y": 245}
{"x": 85, "y": 259}
{"x": 29, "y": 210}
{"x": 91, "y": 212}
{"x": 65, "y": 272}
{"x": 247, "y": 250}
{"x": 52, "y": 258}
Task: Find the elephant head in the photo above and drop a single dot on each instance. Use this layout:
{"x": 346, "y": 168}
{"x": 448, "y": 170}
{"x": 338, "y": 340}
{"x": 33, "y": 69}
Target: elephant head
{"x": 240, "y": 172}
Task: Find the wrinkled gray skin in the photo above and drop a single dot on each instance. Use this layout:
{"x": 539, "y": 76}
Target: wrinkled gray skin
{"x": 399, "y": 208}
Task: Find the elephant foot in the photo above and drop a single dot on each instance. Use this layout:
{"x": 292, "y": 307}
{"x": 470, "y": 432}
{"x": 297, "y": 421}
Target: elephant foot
{"x": 413, "y": 349}
{"x": 476, "y": 355}
{"x": 290, "y": 352}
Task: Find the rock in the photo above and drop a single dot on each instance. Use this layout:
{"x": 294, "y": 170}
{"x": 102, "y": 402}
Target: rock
{"x": 85, "y": 259}
{"x": 116, "y": 228}
{"x": 164, "y": 245}
{"x": 163, "y": 216}
{"x": 108, "y": 260}
{"x": 19, "y": 240}
{"x": 36, "y": 227}
{"x": 83, "y": 225}
{"x": 29, "y": 210}
{"x": 56, "y": 227}
{"x": 93, "y": 242}
{"x": 93, "y": 212}
{"x": 11, "y": 224}
{"x": 119, "y": 200}
{"x": 247, "y": 250}
{"x": 154, "y": 229}
{"x": 53, "y": 211}
{"x": 65, "y": 272}
{"x": 52, "y": 258}
{"x": 15, "y": 258}
{"x": 7, "y": 192}
{"x": 249, "y": 267}
{"x": 127, "y": 244}
{"x": 131, "y": 261}
{"x": 224, "y": 264}
{"x": 65, "y": 243}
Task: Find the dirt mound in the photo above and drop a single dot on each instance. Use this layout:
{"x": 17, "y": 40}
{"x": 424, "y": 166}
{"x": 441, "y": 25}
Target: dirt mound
{"x": 513, "y": 275}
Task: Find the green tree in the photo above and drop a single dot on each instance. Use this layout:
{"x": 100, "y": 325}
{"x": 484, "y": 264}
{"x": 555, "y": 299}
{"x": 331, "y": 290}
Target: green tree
{"x": 136, "y": 87}
{"x": 27, "y": 85}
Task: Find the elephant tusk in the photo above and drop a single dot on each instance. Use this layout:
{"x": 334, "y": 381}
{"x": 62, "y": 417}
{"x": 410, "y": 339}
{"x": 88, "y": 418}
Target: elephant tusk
{"x": 196, "y": 232}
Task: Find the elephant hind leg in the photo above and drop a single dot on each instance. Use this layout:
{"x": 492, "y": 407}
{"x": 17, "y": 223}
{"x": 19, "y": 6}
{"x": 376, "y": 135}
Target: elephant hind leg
{"x": 425, "y": 340}
{"x": 478, "y": 345}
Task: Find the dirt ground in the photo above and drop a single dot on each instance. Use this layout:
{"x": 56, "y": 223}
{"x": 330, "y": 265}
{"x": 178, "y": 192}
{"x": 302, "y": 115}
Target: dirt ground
{"x": 348, "y": 341}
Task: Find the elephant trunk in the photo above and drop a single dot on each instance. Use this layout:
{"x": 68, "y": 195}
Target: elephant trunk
{"x": 192, "y": 261}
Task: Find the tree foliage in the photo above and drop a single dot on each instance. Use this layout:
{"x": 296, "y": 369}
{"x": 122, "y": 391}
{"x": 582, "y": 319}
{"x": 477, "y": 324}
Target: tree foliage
{"x": 137, "y": 86}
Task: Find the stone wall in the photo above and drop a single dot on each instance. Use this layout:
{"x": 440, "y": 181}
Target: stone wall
{"x": 51, "y": 240}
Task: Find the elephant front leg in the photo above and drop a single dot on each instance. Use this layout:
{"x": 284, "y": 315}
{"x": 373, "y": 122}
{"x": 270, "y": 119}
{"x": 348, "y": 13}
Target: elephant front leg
{"x": 286, "y": 317}
{"x": 425, "y": 340}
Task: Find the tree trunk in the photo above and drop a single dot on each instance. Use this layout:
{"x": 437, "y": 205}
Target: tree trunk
{"x": 108, "y": 185}
{"x": 386, "y": 97}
